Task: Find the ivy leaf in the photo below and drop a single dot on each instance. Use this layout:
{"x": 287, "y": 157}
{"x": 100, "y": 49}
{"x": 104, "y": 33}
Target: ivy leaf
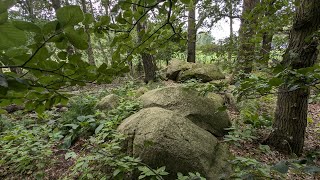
{"x": 120, "y": 19}
{"x": 88, "y": 19}
{"x": 275, "y": 81}
{"x": 11, "y": 36}
{"x": 68, "y": 155}
{"x": 105, "y": 20}
{"x": 281, "y": 167}
{"x": 70, "y": 15}
{"x": 3, "y": 17}
{"x": 27, "y": 26}
{"x": 50, "y": 27}
{"x": 63, "y": 55}
{"x": 312, "y": 169}
{"x": 98, "y": 129}
{"x": 5, "y": 5}
{"x": 78, "y": 38}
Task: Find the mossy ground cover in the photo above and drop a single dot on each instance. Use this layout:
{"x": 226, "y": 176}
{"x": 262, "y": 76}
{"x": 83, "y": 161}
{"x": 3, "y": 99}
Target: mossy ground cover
{"x": 81, "y": 142}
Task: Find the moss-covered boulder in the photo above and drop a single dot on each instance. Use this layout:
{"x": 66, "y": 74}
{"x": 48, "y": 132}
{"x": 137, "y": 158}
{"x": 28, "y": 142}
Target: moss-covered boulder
{"x": 140, "y": 91}
{"x": 161, "y": 137}
{"x": 202, "y": 111}
{"x": 201, "y": 72}
{"x": 175, "y": 67}
{"x": 108, "y": 102}
{"x": 216, "y": 98}
{"x": 179, "y": 70}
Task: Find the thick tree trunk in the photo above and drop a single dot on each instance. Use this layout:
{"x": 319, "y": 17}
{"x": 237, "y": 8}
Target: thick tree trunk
{"x": 247, "y": 31}
{"x": 192, "y": 34}
{"x": 149, "y": 67}
{"x": 291, "y": 112}
{"x": 266, "y": 46}
{"x": 147, "y": 60}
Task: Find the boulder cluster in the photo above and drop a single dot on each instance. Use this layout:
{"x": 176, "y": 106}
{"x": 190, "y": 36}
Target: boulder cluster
{"x": 181, "y": 71}
{"x": 178, "y": 129}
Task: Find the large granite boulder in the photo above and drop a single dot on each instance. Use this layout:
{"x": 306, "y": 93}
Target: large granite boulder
{"x": 108, "y": 102}
{"x": 179, "y": 70}
{"x": 202, "y": 111}
{"x": 175, "y": 67}
{"x": 161, "y": 137}
{"x": 216, "y": 98}
{"x": 201, "y": 72}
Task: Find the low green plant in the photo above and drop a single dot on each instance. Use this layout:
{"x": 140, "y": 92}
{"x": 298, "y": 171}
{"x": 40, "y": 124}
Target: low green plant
{"x": 84, "y": 126}
{"x": 25, "y": 150}
{"x": 257, "y": 112}
{"x": 248, "y": 168}
{"x": 5, "y": 123}
{"x": 204, "y": 88}
{"x": 238, "y": 135}
{"x": 103, "y": 157}
{"x": 190, "y": 176}
{"x": 153, "y": 174}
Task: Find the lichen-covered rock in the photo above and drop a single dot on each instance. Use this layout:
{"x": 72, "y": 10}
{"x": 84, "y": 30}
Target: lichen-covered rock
{"x": 140, "y": 91}
{"x": 175, "y": 67}
{"x": 108, "y": 102}
{"x": 161, "y": 137}
{"x": 202, "y": 72}
{"x": 200, "y": 110}
{"x": 179, "y": 70}
{"x": 216, "y": 98}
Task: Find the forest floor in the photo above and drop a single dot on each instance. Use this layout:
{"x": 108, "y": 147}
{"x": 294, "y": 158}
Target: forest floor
{"x": 248, "y": 146}
{"x": 254, "y": 149}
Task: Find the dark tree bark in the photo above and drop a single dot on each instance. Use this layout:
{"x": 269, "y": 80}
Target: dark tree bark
{"x": 291, "y": 113}
{"x": 247, "y": 31}
{"x": 106, "y": 4}
{"x": 230, "y": 52}
{"x": 89, "y": 50}
{"x": 147, "y": 60}
{"x": 267, "y": 36}
{"x": 266, "y": 46}
{"x": 192, "y": 34}
{"x": 56, "y": 4}
{"x": 30, "y": 6}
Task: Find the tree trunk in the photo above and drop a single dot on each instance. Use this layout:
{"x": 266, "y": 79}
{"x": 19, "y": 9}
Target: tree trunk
{"x": 56, "y": 4}
{"x": 267, "y": 35}
{"x": 192, "y": 34}
{"x": 147, "y": 60}
{"x": 247, "y": 31}
{"x": 231, "y": 32}
{"x": 266, "y": 46}
{"x": 106, "y": 4}
{"x": 149, "y": 67}
{"x": 291, "y": 113}
{"x": 101, "y": 47}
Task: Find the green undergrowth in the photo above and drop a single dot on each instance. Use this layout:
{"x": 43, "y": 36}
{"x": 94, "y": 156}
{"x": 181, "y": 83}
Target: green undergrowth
{"x": 249, "y": 129}
{"x": 30, "y": 145}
